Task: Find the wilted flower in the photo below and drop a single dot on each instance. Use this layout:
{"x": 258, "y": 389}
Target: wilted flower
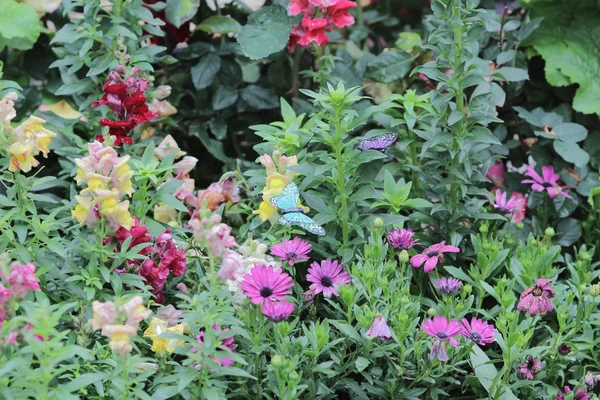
{"x": 266, "y": 283}
{"x": 326, "y": 277}
{"x": 432, "y": 255}
{"x": 291, "y": 250}
{"x": 481, "y": 332}
{"x": 185, "y": 166}
{"x": 443, "y": 331}
{"x": 537, "y": 299}
{"x": 277, "y": 311}
{"x": 379, "y": 329}
{"x": 564, "y": 349}
{"x": 448, "y": 285}
{"x": 401, "y": 239}
{"x": 548, "y": 181}
{"x": 591, "y": 380}
{"x": 22, "y": 279}
{"x": 529, "y": 368}
{"x": 580, "y": 394}
{"x": 169, "y": 314}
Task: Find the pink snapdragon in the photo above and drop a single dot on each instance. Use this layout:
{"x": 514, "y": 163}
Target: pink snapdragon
{"x": 22, "y": 279}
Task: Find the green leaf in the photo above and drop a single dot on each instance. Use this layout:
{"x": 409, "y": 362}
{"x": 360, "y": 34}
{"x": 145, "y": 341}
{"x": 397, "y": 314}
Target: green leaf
{"x": 486, "y": 372}
{"x": 570, "y": 132}
{"x": 203, "y": 73}
{"x": 224, "y": 97}
{"x": 361, "y": 363}
{"x": 260, "y": 98}
{"x": 389, "y": 66}
{"x": 407, "y": 40}
{"x": 512, "y": 74}
{"x": 180, "y": 11}
{"x": 76, "y": 87}
{"x": 220, "y": 24}
{"x": 568, "y": 232}
{"x": 18, "y": 20}
{"x": 571, "y": 152}
{"x": 214, "y": 147}
{"x": 267, "y": 32}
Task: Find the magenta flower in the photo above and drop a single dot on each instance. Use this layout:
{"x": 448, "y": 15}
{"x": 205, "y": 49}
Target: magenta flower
{"x": 564, "y": 349}
{"x": 432, "y": 255}
{"x": 580, "y": 394}
{"x": 448, "y": 285}
{"x": 277, "y": 311}
{"x": 514, "y": 207}
{"x": 326, "y": 277}
{"x": 529, "y": 368}
{"x": 537, "y": 299}
{"x": 443, "y": 331}
{"x": 496, "y": 173}
{"x": 225, "y": 343}
{"x": 481, "y": 332}
{"x": 548, "y": 181}
{"x": 401, "y": 239}
{"x": 266, "y": 283}
{"x": 22, "y": 279}
{"x": 379, "y": 329}
{"x": 291, "y": 250}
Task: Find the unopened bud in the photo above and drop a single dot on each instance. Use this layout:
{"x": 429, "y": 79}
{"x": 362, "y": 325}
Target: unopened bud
{"x": 136, "y": 70}
{"x": 431, "y": 312}
{"x": 276, "y": 360}
{"x": 594, "y": 290}
{"x": 182, "y": 288}
{"x": 467, "y": 289}
{"x": 483, "y": 229}
{"x": 378, "y": 223}
{"x": 549, "y": 232}
{"x": 403, "y": 256}
{"x": 520, "y": 225}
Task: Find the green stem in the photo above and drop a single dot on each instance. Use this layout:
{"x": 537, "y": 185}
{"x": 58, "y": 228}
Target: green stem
{"x": 359, "y": 13}
{"x": 296, "y": 70}
{"x": 457, "y": 29}
{"x": 117, "y": 8}
{"x": 340, "y": 178}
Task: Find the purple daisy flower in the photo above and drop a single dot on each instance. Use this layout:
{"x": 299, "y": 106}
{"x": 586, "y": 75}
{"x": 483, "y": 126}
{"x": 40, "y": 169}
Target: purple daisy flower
{"x": 266, "y": 283}
{"x": 514, "y": 207}
{"x": 379, "y": 329}
{"x": 326, "y": 277}
{"x": 580, "y": 394}
{"x": 529, "y": 368}
{"x": 432, "y": 255}
{"x": 277, "y": 311}
{"x": 481, "y": 332}
{"x": 443, "y": 331}
{"x": 548, "y": 181}
{"x": 448, "y": 285}
{"x": 291, "y": 250}
{"x": 401, "y": 239}
{"x": 537, "y": 299}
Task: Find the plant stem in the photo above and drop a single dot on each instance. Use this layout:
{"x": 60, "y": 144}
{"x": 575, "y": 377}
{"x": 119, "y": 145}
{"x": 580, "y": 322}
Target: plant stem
{"x": 296, "y": 70}
{"x": 117, "y": 8}
{"x": 359, "y": 13}
{"x": 457, "y": 29}
{"x": 340, "y": 178}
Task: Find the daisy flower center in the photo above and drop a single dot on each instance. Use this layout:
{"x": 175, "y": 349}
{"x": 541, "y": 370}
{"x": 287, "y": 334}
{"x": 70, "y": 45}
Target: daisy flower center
{"x": 475, "y": 336}
{"x": 547, "y": 184}
{"x": 291, "y": 254}
{"x": 441, "y": 335}
{"x": 326, "y": 281}
{"x": 432, "y": 253}
{"x": 266, "y": 292}
{"x": 537, "y": 292}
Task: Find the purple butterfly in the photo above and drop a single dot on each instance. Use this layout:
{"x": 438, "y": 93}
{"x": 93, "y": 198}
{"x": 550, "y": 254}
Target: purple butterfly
{"x": 379, "y": 143}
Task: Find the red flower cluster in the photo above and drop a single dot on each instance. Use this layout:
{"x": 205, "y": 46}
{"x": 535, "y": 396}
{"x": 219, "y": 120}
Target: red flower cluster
{"x": 125, "y": 97}
{"x": 163, "y": 258}
{"x": 313, "y": 27}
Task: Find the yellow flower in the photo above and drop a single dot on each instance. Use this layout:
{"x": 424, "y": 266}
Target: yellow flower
{"x": 96, "y": 184}
{"x": 267, "y": 211}
{"x": 22, "y": 156}
{"x": 62, "y": 109}
{"x": 117, "y": 211}
{"x": 32, "y": 129}
{"x": 166, "y": 214}
{"x": 159, "y": 327}
{"x": 119, "y": 337}
{"x": 84, "y": 212}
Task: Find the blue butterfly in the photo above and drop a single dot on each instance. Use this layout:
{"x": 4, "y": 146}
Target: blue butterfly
{"x": 291, "y": 214}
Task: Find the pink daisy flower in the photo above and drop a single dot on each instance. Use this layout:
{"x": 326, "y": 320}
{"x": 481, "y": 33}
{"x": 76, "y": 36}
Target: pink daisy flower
{"x": 291, "y": 250}
{"x": 379, "y": 329}
{"x": 277, "y": 311}
{"x": 266, "y": 283}
{"x": 548, "y": 181}
{"x": 443, "y": 331}
{"x": 537, "y": 299}
{"x": 432, "y": 255}
{"x": 401, "y": 239}
{"x": 580, "y": 394}
{"x": 481, "y": 332}
{"x": 514, "y": 207}
{"x": 448, "y": 285}
{"x": 326, "y": 277}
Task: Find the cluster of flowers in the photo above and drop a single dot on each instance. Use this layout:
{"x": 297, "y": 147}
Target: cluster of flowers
{"x": 269, "y": 285}
{"x": 319, "y": 16}
{"x": 277, "y": 178}
{"x": 124, "y": 95}
{"x": 119, "y": 324}
{"x": 163, "y": 259}
{"x": 108, "y": 179}
{"x": 24, "y": 142}
{"x": 16, "y": 281}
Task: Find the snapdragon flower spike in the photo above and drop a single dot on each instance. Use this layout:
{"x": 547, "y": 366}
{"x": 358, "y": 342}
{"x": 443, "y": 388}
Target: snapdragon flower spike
{"x": 139, "y": 234}
{"x": 537, "y": 299}
{"x": 513, "y": 207}
{"x": 529, "y": 368}
{"x": 443, "y": 331}
{"x": 266, "y": 283}
{"x": 22, "y": 279}
{"x": 291, "y": 250}
{"x": 548, "y": 181}
{"x": 277, "y": 311}
{"x": 432, "y": 255}
{"x": 401, "y": 239}
{"x": 326, "y": 277}
{"x": 481, "y": 332}
{"x": 379, "y": 329}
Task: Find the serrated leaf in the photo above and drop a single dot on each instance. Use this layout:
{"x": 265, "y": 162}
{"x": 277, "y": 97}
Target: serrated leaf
{"x": 266, "y": 32}
{"x": 260, "y": 98}
{"x": 389, "y": 66}
{"x": 180, "y": 11}
{"x": 19, "y": 20}
{"x": 224, "y": 97}
{"x": 203, "y": 73}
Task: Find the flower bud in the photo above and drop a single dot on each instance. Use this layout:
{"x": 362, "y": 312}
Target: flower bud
{"x": 120, "y": 69}
{"x": 483, "y": 229}
{"x": 136, "y": 70}
{"x": 431, "y": 312}
{"x": 564, "y": 349}
{"x": 276, "y": 361}
{"x": 520, "y": 225}
{"x": 293, "y": 376}
{"x": 403, "y": 256}
{"x": 549, "y": 232}
{"x": 585, "y": 256}
{"x": 378, "y": 223}
{"x": 467, "y": 289}
{"x": 182, "y": 288}
{"x": 594, "y": 290}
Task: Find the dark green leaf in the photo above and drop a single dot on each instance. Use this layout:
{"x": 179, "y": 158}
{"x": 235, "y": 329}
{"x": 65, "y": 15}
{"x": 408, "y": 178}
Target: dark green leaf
{"x": 203, "y": 73}
{"x": 267, "y": 32}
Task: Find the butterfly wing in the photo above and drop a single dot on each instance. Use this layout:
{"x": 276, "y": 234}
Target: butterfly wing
{"x": 381, "y": 142}
{"x": 288, "y": 198}
{"x": 304, "y": 221}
